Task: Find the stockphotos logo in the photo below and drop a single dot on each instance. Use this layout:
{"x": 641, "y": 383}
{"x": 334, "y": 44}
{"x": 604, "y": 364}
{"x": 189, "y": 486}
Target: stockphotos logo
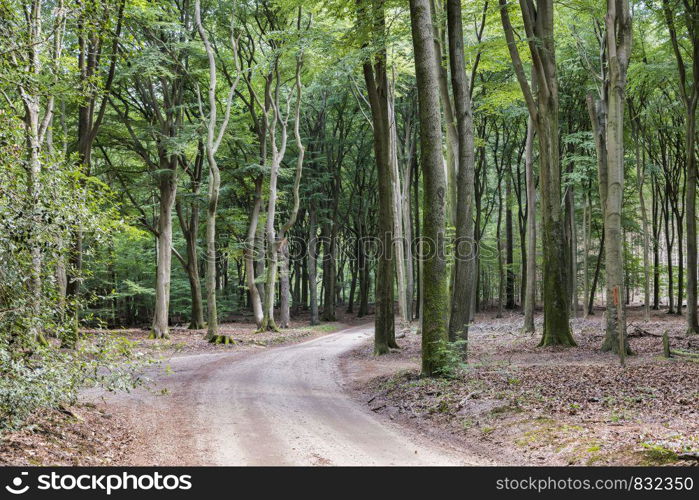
{"x": 16, "y": 488}
{"x": 106, "y": 483}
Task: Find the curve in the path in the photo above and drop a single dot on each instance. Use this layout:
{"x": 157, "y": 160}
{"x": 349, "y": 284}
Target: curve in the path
{"x": 280, "y": 406}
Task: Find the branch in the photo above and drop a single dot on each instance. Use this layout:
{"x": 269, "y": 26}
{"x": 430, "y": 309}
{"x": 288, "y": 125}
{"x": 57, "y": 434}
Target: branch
{"x": 517, "y": 61}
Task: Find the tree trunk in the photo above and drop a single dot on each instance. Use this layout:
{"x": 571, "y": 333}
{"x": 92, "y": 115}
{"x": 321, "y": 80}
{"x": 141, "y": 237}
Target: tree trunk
{"x": 313, "y": 265}
{"x": 329, "y": 271}
{"x": 284, "y": 311}
{"x": 657, "y": 228}
{"x": 465, "y": 248}
{"x": 587, "y": 235}
{"x": 556, "y": 307}
{"x": 268, "y": 322}
{"x": 197, "y": 315}
{"x": 353, "y": 281}
{"x": 618, "y": 52}
{"x": 168, "y": 190}
{"x": 544, "y": 112}
{"x": 189, "y": 224}
{"x": 212, "y": 207}
{"x": 689, "y": 92}
{"x": 377, "y": 89}
{"x": 530, "y": 294}
{"x": 501, "y": 252}
{"x": 690, "y": 140}
{"x": 509, "y": 243}
{"x": 669, "y": 240}
{"x": 573, "y": 242}
{"x": 680, "y": 261}
{"x": 249, "y": 254}
{"x": 398, "y": 237}
{"x": 283, "y": 243}
{"x": 408, "y": 235}
{"x": 434, "y": 282}
{"x": 598, "y": 265}
{"x": 214, "y": 136}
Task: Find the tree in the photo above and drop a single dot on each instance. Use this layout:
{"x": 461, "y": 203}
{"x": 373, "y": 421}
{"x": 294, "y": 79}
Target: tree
{"x": 607, "y": 119}
{"x": 371, "y": 22}
{"x": 689, "y": 94}
{"x": 538, "y": 24}
{"x": 161, "y": 64}
{"x": 94, "y": 22}
{"x": 464, "y": 270}
{"x": 283, "y": 244}
{"x": 29, "y": 56}
{"x": 213, "y": 142}
{"x": 434, "y": 282}
{"x": 618, "y": 32}
{"x": 530, "y": 293}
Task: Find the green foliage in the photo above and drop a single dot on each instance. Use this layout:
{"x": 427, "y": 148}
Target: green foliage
{"x": 451, "y": 356}
{"x": 51, "y": 377}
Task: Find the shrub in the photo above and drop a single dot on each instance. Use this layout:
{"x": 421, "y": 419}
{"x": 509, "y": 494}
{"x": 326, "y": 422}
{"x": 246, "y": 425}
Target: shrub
{"x": 52, "y": 377}
{"x": 451, "y": 355}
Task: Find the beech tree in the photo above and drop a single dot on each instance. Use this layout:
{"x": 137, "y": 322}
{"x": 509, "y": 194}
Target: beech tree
{"x": 434, "y": 277}
{"x": 618, "y": 32}
{"x": 214, "y": 136}
{"x": 689, "y": 94}
{"x": 371, "y": 22}
{"x": 538, "y": 19}
{"x": 310, "y": 172}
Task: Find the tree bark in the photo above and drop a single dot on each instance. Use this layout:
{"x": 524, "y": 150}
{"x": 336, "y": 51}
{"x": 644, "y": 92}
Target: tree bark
{"x": 313, "y": 264}
{"x": 465, "y": 247}
{"x": 530, "y": 293}
{"x": 618, "y": 25}
{"x": 189, "y": 223}
{"x": 501, "y": 254}
{"x": 509, "y": 243}
{"x": 435, "y": 291}
{"x": 377, "y": 89}
{"x": 538, "y": 22}
{"x": 168, "y": 190}
{"x": 249, "y": 254}
{"x": 398, "y": 237}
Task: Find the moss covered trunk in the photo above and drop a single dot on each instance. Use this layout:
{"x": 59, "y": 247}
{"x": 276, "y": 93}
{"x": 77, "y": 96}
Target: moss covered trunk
{"x": 372, "y": 18}
{"x": 465, "y": 248}
{"x": 555, "y": 266}
{"x": 435, "y": 297}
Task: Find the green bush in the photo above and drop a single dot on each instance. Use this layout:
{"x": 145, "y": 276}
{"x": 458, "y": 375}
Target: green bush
{"x": 52, "y": 377}
{"x": 451, "y": 355}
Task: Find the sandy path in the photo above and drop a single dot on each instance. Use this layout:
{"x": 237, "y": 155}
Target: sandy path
{"x": 280, "y": 406}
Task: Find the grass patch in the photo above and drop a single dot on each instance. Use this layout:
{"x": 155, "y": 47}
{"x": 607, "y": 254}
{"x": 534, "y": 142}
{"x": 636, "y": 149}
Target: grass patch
{"x": 656, "y": 454}
{"x": 325, "y": 327}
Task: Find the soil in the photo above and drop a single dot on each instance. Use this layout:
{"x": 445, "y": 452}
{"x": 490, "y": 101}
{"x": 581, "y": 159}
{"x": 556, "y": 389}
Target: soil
{"x": 82, "y": 435}
{"x": 94, "y": 432}
{"x": 519, "y": 404}
{"x": 288, "y": 398}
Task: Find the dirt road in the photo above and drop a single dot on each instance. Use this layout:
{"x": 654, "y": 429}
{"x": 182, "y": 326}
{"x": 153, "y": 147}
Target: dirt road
{"x": 280, "y": 406}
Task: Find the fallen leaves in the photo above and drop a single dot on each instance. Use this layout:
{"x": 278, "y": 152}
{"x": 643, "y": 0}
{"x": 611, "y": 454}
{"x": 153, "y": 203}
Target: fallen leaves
{"x": 557, "y": 405}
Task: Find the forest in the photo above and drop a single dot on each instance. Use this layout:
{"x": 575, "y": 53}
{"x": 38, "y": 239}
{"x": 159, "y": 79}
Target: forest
{"x": 499, "y": 196}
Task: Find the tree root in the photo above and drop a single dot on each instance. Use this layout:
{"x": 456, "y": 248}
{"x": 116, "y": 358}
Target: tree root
{"x": 41, "y": 340}
{"x": 668, "y": 352}
{"x": 154, "y": 336}
{"x": 221, "y": 339}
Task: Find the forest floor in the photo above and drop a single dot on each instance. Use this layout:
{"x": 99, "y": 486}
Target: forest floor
{"x": 290, "y": 397}
{"x": 95, "y": 433}
{"x": 520, "y": 404}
